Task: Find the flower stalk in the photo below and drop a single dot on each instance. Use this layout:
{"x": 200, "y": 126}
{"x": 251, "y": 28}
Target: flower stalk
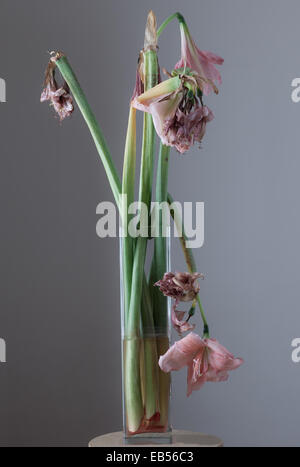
{"x": 189, "y": 258}
{"x": 163, "y": 26}
{"x": 128, "y": 184}
{"x": 69, "y": 76}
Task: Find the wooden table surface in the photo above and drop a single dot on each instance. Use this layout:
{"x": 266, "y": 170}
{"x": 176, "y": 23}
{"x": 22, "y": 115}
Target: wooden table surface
{"x": 179, "y": 439}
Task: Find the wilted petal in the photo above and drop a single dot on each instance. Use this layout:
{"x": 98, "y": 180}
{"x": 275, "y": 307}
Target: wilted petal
{"x": 201, "y": 62}
{"x": 162, "y": 112}
{"x": 182, "y": 286}
{"x": 220, "y": 358}
{"x": 59, "y": 97}
{"x": 179, "y": 324}
{"x": 181, "y": 353}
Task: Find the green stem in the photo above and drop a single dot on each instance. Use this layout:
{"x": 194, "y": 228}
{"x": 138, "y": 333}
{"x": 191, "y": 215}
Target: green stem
{"x": 189, "y": 257}
{"x": 160, "y": 253}
{"x": 146, "y": 178}
{"x": 168, "y": 20}
{"x": 128, "y": 191}
{"x": 79, "y": 96}
{"x": 159, "y": 267}
{"x": 150, "y": 376}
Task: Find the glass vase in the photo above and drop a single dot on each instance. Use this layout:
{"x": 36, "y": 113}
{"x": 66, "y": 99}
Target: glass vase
{"x": 146, "y": 389}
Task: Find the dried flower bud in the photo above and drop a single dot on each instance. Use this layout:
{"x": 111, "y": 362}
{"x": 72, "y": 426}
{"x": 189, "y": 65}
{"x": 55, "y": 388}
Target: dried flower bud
{"x": 151, "y": 33}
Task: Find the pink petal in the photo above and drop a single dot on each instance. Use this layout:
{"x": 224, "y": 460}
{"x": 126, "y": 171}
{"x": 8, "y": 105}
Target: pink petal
{"x": 181, "y": 353}
{"x": 220, "y": 358}
{"x": 162, "y": 111}
{"x": 202, "y": 62}
{"x": 179, "y": 323}
{"x": 210, "y": 70}
{"x": 191, "y": 384}
{"x": 213, "y": 58}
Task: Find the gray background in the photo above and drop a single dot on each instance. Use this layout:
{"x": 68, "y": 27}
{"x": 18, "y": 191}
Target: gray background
{"x": 59, "y": 297}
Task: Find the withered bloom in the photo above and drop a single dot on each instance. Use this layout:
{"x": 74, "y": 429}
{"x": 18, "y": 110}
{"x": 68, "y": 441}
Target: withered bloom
{"x": 179, "y": 116}
{"x": 59, "y": 97}
{"x": 182, "y": 286}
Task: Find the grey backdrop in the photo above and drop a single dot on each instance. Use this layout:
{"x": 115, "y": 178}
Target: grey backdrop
{"x": 59, "y": 296}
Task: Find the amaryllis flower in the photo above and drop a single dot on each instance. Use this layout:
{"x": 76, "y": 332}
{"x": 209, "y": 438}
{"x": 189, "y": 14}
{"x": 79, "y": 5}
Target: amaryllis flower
{"x": 199, "y": 61}
{"x": 182, "y": 286}
{"x": 178, "y": 113}
{"x": 59, "y": 97}
{"x": 206, "y": 359}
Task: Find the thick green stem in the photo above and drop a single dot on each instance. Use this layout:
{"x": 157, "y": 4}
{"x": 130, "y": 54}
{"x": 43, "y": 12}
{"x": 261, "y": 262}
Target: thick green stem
{"x": 79, "y": 96}
{"x": 128, "y": 198}
{"x": 189, "y": 258}
{"x": 150, "y": 366}
{"x": 160, "y": 304}
{"x": 168, "y": 20}
{"x": 132, "y": 383}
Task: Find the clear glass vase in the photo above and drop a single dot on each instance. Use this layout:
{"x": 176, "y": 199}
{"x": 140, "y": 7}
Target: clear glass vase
{"x": 146, "y": 389}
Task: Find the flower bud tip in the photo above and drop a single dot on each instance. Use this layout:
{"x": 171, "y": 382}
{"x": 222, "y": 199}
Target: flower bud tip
{"x": 151, "y": 32}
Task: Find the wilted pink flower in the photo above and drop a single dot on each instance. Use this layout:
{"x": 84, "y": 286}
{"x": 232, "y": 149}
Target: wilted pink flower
{"x": 59, "y": 97}
{"x": 182, "y": 286}
{"x": 206, "y": 359}
{"x": 178, "y": 113}
{"x": 199, "y": 61}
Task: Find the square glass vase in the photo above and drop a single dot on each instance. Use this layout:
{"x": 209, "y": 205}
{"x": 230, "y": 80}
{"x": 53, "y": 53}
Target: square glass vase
{"x": 146, "y": 335}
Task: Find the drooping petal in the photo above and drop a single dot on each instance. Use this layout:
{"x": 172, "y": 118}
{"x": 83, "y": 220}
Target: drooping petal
{"x": 216, "y": 376}
{"x": 220, "y": 358}
{"x": 202, "y": 62}
{"x": 213, "y": 58}
{"x": 161, "y": 112}
{"x": 179, "y": 324}
{"x": 60, "y": 97}
{"x": 181, "y": 353}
